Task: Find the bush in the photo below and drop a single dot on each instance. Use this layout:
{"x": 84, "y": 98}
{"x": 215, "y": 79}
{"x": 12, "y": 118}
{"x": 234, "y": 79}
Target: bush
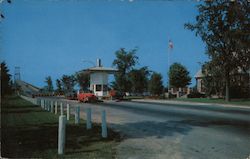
{"x": 196, "y": 94}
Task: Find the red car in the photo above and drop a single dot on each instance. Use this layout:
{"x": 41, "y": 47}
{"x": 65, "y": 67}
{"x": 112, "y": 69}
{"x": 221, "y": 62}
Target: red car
{"x": 86, "y": 97}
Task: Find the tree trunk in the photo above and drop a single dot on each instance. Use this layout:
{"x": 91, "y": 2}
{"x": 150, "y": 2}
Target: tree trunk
{"x": 227, "y": 98}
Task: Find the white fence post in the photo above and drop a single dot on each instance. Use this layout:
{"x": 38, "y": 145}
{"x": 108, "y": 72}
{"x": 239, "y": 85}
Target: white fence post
{"x": 48, "y": 104}
{"x": 77, "y": 115}
{"x": 61, "y": 134}
{"x": 37, "y": 101}
{"x": 52, "y": 106}
{"x": 104, "y": 125}
{"x": 68, "y": 112}
{"x": 89, "y": 125}
{"x": 56, "y": 107}
{"x": 45, "y": 105}
{"x": 61, "y": 108}
{"x": 41, "y": 103}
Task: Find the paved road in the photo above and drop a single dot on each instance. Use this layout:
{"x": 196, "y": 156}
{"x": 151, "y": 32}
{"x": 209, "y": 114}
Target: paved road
{"x": 176, "y": 131}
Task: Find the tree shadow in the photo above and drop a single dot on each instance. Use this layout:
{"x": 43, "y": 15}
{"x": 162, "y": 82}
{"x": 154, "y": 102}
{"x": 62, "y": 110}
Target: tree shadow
{"x": 170, "y": 128}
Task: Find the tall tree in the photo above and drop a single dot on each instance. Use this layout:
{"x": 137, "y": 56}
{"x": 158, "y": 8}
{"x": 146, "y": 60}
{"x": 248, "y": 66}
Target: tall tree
{"x": 59, "y": 86}
{"x": 68, "y": 83}
{"x": 49, "y": 86}
{"x": 83, "y": 80}
{"x": 224, "y": 26}
{"x": 139, "y": 79}
{"x": 155, "y": 85}
{"x": 178, "y": 76}
{"x": 124, "y": 62}
{"x": 5, "y": 80}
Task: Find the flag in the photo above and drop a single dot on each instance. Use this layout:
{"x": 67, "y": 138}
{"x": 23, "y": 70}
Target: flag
{"x": 170, "y": 44}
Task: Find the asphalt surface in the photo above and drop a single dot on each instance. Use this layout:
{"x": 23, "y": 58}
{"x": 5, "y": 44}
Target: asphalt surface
{"x": 162, "y": 131}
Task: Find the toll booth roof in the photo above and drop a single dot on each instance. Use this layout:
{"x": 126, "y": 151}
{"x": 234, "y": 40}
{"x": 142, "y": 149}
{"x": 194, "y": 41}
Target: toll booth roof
{"x": 100, "y": 69}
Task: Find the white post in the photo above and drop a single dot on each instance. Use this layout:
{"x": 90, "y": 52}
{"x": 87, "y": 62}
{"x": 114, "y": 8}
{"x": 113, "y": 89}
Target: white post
{"x": 45, "y": 105}
{"x": 56, "y": 107}
{"x": 37, "y": 101}
{"x": 89, "y": 126}
{"x": 68, "y": 112}
{"x": 41, "y": 103}
{"x": 61, "y": 108}
{"x": 61, "y": 134}
{"x": 48, "y": 105}
{"x": 77, "y": 115}
{"x": 104, "y": 125}
{"x": 52, "y": 106}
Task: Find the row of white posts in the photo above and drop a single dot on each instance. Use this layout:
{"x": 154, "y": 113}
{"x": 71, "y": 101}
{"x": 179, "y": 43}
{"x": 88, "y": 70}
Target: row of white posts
{"x": 49, "y": 106}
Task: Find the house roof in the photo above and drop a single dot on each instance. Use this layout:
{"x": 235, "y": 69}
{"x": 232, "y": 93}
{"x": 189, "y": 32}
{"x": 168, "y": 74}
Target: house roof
{"x": 199, "y": 74}
{"x": 100, "y": 69}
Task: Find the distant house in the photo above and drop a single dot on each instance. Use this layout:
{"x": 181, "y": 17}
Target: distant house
{"x": 240, "y": 83}
{"x": 199, "y": 76}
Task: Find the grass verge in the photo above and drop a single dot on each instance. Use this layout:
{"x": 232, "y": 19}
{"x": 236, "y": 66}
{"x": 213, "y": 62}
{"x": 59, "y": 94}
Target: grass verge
{"x": 27, "y": 131}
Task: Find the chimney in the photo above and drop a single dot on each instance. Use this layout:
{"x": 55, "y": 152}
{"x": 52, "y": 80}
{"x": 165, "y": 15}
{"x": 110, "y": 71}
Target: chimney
{"x": 98, "y": 63}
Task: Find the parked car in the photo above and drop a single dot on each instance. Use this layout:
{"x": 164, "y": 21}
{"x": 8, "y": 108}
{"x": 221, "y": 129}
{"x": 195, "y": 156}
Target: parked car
{"x": 71, "y": 95}
{"x": 116, "y": 95}
{"x": 86, "y": 96}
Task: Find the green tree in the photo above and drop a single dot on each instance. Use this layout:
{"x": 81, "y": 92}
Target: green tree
{"x": 83, "y": 80}
{"x": 68, "y": 83}
{"x": 178, "y": 76}
{"x": 124, "y": 62}
{"x": 224, "y": 26}
{"x": 139, "y": 79}
{"x": 155, "y": 85}
{"x": 59, "y": 86}
{"x": 49, "y": 86}
{"x": 212, "y": 84}
{"x": 5, "y": 80}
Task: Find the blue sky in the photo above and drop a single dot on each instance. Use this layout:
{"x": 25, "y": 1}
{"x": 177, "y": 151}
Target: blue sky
{"x": 53, "y": 38}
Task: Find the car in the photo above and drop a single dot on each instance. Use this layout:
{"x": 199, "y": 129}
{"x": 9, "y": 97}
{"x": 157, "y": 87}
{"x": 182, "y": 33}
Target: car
{"x": 71, "y": 95}
{"x": 116, "y": 95}
{"x": 86, "y": 96}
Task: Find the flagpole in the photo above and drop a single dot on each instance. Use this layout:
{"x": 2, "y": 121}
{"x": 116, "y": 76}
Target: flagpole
{"x": 169, "y": 88}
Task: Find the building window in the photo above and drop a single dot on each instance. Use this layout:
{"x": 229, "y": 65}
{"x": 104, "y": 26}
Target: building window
{"x": 98, "y": 87}
{"x": 105, "y": 88}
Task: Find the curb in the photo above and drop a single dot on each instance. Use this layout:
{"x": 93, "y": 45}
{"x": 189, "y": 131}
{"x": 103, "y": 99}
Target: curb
{"x": 190, "y": 103}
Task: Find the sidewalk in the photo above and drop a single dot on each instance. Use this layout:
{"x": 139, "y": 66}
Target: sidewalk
{"x": 162, "y": 101}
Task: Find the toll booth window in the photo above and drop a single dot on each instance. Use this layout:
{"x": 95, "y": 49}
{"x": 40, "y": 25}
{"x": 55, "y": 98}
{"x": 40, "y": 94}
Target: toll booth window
{"x": 98, "y": 87}
{"x": 105, "y": 88}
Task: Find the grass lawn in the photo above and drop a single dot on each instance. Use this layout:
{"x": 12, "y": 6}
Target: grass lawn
{"x": 219, "y": 101}
{"x": 27, "y": 131}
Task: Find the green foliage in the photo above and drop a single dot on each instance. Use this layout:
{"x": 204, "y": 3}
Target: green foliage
{"x": 179, "y": 76}
{"x": 212, "y": 80}
{"x": 49, "y": 87}
{"x": 155, "y": 85}
{"x": 5, "y": 80}
{"x": 124, "y": 62}
{"x": 224, "y": 26}
{"x": 139, "y": 79}
{"x": 68, "y": 83}
{"x": 59, "y": 86}
{"x": 83, "y": 80}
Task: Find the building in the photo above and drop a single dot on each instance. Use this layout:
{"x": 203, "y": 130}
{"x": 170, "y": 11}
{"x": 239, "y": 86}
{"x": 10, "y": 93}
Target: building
{"x": 99, "y": 78}
{"x": 199, "y": 82}
{"x": 239, "y": 87}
